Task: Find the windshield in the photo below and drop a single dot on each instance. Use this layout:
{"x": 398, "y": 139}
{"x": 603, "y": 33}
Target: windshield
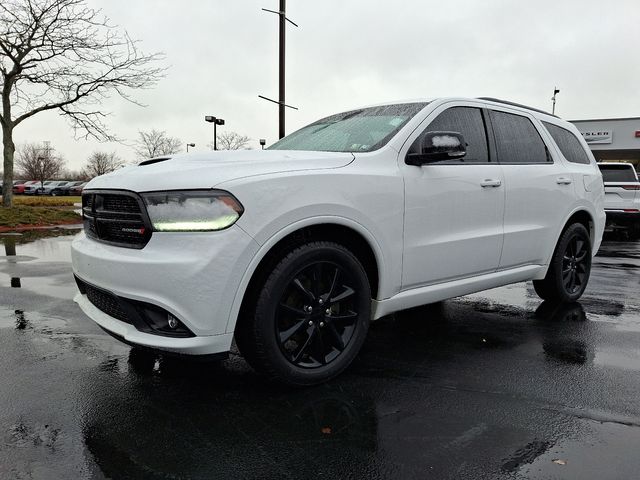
{"x": 362, "y": 130}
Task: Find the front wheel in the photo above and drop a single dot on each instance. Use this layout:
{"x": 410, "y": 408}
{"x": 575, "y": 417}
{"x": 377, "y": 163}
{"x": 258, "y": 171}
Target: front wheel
{"x": 569, "y": 269}
{"x": 311, "y": 316}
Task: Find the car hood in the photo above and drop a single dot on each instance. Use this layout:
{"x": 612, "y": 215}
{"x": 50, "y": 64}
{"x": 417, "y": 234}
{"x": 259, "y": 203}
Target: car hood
{"x": 206, "y": 170}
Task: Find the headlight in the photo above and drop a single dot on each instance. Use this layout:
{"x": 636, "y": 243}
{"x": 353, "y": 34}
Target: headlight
{"x": 192, "y": 210}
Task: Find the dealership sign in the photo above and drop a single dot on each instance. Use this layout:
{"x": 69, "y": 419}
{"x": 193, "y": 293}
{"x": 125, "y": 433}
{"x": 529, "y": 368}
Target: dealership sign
{"x": 597, "y": 136}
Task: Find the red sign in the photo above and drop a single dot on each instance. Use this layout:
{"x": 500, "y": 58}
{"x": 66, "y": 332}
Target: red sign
{"x": 637, "y": 133}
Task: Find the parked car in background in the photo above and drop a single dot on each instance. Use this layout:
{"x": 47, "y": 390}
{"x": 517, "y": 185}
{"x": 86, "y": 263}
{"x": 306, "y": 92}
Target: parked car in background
{"x": 622, "y": 196}
{"x": 18, "y": 187}
{"x": 66, "y": 189}
{"x": 50, "y": 186}
{"x": 31, "y": 187}
{"x": 295, "y": 249}
{"x": 77, "y": 190}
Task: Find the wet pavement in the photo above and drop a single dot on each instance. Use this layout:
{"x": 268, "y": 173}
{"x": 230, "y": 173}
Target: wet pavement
{"x": 492, "y": 385}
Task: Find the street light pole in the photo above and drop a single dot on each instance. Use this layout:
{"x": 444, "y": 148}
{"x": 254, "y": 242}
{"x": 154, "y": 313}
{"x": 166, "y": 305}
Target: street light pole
{"x": 190, "y": 145}
{"x": 555, "y": 92}
{"x": 282, "y": 14}
{"x": 281, "y": 79}
{"x": 216, "y": 122}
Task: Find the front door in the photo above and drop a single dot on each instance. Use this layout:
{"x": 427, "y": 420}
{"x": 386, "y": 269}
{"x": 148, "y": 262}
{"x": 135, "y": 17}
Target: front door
{"x": 454, "y": 208}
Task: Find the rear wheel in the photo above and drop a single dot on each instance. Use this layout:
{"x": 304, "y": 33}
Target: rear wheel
{"x": 310, "y": 318}
{"x": 570, "y": 267}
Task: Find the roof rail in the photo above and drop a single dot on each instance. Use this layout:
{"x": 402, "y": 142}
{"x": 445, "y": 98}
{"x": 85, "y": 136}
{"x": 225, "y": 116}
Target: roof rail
{"x": 497, "y": 100}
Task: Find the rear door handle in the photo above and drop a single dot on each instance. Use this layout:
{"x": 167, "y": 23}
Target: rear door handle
{"x": 563, "y": 181}
{"x": 489, "y": 182}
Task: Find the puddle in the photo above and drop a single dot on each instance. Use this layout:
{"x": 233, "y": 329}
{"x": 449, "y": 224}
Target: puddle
{"x": 626, "y": 360}
{"x": 21, "y": 320}
{"x": 605, "y": 453}
{"x": 38, "y": 261}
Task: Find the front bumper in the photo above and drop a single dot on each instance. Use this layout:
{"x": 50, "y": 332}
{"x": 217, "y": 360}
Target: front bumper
{"x": 193, "y": 276}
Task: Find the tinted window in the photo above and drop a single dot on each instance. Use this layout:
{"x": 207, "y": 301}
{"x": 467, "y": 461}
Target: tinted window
{"x": 569, "y": 145}
{"x": 361, "y": 130}
{"x": 467, "y": 121}
{"x": 517, "y": 140}
{"x": 618, "y": 173}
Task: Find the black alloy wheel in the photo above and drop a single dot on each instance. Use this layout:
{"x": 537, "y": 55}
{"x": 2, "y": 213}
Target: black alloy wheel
{"x": 570, "y": 267}
{"x": 310, "y": 316}
{"x": 574, "y": 266}
{"x": 317, "y": 315}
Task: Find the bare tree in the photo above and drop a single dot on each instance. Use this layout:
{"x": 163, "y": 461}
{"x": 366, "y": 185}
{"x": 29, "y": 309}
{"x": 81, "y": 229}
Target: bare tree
{"x": 39, "y": 162}
{"x": 231, "y": 141}
{"x": 75, "y": 175}
{"x": 155, "y": 143}
{"x": 100, "y": 163}
{"x": 62, "y": 55}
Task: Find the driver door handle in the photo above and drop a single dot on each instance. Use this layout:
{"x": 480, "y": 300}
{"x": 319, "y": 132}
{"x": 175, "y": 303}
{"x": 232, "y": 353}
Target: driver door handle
{"x": 490, "y": 182}
{"x": 563, "y": 181}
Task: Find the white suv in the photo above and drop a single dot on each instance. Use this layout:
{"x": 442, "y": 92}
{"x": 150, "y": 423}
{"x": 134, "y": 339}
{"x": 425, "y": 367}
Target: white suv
{"x": 295, "y": 249}
{"x": 621, "y": 196}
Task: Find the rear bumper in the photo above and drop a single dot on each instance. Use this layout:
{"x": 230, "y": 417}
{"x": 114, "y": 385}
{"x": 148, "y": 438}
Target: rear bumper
{"x": 622, "y": 218}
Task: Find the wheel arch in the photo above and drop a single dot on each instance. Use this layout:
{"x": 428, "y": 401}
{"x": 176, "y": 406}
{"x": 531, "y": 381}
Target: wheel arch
{"x": 578, "y": 215}
{"x": 335, "y": 229}
{"x": 583, "y": 217}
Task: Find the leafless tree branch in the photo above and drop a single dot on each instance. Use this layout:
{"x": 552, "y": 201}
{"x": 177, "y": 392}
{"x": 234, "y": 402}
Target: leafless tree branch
{"x": 65, "y": 56}
{"x": 155, "y": 143}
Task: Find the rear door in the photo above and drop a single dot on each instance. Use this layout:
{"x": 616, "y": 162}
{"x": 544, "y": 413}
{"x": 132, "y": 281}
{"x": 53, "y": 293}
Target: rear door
{"x": 621, "y": 187}
{"x": 539, "y": 189}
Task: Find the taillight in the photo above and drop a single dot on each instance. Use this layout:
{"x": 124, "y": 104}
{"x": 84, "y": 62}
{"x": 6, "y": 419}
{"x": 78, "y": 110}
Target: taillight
{"x": 631, "y": 187}
{"x": 631, "y": 210}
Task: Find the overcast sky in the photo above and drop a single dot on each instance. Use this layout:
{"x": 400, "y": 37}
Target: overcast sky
{"x": 350, "y": 53}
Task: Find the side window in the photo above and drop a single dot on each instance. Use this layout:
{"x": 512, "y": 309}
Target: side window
{"x": 568, "y": 144}
{"x": 467, "y": 121}
{"x": 517, "y": 140}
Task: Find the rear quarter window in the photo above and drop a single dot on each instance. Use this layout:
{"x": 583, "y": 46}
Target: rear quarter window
{"x": 568, "y": 144}
{"x": 618, "y": 173}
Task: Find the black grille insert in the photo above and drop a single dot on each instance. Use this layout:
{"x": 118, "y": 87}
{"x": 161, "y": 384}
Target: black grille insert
{"x": 103, "y": 301}
{"x": 116, "y": 217}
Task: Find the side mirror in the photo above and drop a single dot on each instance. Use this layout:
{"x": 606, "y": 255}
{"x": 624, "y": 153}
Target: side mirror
{"x": 435, "y": 147}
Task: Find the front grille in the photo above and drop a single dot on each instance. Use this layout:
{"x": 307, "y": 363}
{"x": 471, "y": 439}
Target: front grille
{"x": 117, "y": 218}
{"x": 103, "y": 301}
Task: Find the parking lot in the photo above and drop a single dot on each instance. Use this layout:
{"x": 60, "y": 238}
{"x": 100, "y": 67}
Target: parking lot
{"x": 491, "y": 385}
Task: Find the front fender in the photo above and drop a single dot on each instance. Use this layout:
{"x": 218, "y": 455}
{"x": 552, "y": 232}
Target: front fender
{"x": 266, "y": 247}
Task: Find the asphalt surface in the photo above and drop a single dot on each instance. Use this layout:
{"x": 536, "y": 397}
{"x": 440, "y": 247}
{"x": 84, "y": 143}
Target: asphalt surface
{"x": 492, "y": 385}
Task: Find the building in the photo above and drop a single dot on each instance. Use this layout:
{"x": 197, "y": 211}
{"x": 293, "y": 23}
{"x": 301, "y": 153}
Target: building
{"x": 612, "y": 139}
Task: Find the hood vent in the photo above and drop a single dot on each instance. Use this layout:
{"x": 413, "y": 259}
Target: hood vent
{"x": 153, "y": 160}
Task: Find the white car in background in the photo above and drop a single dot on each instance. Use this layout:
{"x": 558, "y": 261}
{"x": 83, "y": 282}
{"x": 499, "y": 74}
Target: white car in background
{"x": 31, "y": 187}
{"x": 622, "y": 196}
{"x": 51, "y": 186}
{"x": 295, "y": 249}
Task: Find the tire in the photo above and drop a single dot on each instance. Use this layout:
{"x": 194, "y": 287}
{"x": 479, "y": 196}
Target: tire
{"x": 569, "y": 269}
{"x": 310, "y": 317}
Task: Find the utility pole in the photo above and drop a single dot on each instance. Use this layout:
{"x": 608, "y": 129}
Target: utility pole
{"x": 281, "y": 70}
{"x": 555, "y": 92}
